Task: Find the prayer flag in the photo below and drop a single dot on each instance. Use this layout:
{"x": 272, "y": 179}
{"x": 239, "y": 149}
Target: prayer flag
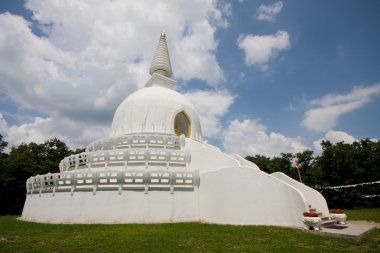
{"x": 295, "y": 162}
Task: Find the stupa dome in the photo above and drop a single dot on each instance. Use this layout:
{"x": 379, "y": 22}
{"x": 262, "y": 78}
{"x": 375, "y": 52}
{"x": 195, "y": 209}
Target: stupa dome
{"x": 156, "y": 109}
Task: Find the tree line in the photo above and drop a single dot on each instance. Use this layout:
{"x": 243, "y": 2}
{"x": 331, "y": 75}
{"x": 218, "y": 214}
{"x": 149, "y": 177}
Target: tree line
{"x": 21, "y": 163}
{"x": 339, "y": 164}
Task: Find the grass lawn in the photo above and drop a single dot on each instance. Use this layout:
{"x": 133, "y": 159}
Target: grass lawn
{"x": 19, "y": 236}
{"x": 371, "y": 214}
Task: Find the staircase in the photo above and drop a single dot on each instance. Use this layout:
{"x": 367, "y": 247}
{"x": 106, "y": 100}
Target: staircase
{"x": 326, "y": 221}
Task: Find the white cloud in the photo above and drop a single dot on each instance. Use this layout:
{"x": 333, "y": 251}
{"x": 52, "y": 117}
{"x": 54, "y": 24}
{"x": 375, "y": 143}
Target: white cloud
{"x": 250, "y": 137}
{"x": 338, "y": 136}
{"x": 94, "y": 53}
{"x": 197, "y": 55}
{"x": 107, "y": 32}
{"x": 211, "y": 106}
{"x": 3, "y": 125}
{"x": 259, "y": 49}
{"x": 269, "y": 12}
{"x": 74, "y": 134}
{"x": 332, "y": 106}
{"x": 357, "y": 93}
{"x": 333, "y": 137}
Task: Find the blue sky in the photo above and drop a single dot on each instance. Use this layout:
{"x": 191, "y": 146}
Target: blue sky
{"x": 266, "y": 76}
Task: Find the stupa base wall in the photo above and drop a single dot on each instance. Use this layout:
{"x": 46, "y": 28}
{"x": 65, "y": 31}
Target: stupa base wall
{"x": 246, "y": 196}
{"x": 313, "y": 198}
{"x": 110, "y": 207}
{"x": 234, "y": 195}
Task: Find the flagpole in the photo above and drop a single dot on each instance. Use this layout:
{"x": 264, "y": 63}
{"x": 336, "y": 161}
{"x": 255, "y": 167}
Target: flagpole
{"x": 296, "y": 165}
{"x": 299, "y": 174}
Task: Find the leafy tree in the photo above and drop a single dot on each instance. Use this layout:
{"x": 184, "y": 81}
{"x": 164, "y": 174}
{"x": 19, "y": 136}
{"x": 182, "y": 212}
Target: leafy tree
{"x": 3, "y": 144}
{"x": 262, "y": 162}
{"x": 283, "y": 164}
{"x": 3, "y": 178}
{"x": 78, "y": 150}
{"x": 24, "y": 161}
{"x": 311, "y": 175}
{"x": 54, "y": 151}
{"x": 339, "y": 164}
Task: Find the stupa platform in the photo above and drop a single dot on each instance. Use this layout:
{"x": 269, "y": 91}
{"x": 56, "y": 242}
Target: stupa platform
{"x": 349, "y": 230}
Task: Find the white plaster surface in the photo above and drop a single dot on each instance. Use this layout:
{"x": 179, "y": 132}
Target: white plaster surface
{"x": 161, "y": 60}
{"x": 244, "y": 162}
{"x": 313, "y": 197}
{"x": 242, "y": 196}
{"x": 110, "y": 207}
{"x": 152, "y": 110}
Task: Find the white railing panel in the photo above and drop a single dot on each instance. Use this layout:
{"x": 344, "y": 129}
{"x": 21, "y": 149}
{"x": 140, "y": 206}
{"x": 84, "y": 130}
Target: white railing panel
{"x": 116, "y": 180}
{"x": 143, "y": 140}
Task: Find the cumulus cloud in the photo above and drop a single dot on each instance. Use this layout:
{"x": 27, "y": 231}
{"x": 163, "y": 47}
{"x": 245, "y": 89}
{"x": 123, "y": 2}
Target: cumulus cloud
{"x": 333, "y": 137}
{"x": 269, "y": 12}
{"x": 330, "y": 107}
{"x": 250, "y": 137}
{"x": 338, "y": 136}
{"x": 74, "y": 134}
{"x": 197, "y": 55}
{"x": 92, "y": 54}
{"x": 126, "y": 31}
{"x": 259, "y": 49}
{"x": 211, "y": 106}
{"x": 3, "y": 125}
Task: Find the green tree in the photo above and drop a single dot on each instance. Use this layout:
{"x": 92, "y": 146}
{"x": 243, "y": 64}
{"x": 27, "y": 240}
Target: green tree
{"x": 54, "y": 151}
{"x": 3, "y": 177}
{"x": 310, "y": 174}
{"x": 262, "y": 162}
{"x": 24, "y": 161}
{"x": 339, "y": 164}
{"x": 3, "y": 144}
{"x": 355, "y": 163}
{"x": 283, "y": 164}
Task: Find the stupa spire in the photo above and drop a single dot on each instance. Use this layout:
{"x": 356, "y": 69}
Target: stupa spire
{"x": 161, "y": 61}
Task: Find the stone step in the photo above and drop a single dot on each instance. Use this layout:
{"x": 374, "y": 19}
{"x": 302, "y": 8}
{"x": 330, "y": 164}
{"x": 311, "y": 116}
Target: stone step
{"x": 328, "y": 223}
{"x": 325, "y": 218}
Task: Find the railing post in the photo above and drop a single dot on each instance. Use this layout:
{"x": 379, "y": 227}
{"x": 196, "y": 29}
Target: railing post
{"x": 95, "y": 181}
{"x": 73, "y": 181}
{"x": 146, "y": 179}
{"x": 120, "y": 181}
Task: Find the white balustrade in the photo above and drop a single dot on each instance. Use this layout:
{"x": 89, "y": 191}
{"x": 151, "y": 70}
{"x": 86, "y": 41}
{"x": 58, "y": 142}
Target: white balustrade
{"x": 116, "y": 180}
{"x": 144, "y": 140}
{"x": 126, "y": 158}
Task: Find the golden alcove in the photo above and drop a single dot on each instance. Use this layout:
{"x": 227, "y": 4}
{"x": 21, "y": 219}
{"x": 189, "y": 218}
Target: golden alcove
{"x": 182, "y": 124}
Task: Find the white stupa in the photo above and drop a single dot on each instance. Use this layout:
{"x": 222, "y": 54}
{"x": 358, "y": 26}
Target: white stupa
{"x": 154, "y": 167}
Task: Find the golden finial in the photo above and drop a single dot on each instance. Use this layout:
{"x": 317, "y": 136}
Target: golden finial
{"x": 163, "y": 34}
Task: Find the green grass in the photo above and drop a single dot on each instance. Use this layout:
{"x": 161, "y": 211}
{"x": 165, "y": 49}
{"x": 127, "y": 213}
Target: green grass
{"x": 372, "y": 214}
{"x": 19, "y": 236}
